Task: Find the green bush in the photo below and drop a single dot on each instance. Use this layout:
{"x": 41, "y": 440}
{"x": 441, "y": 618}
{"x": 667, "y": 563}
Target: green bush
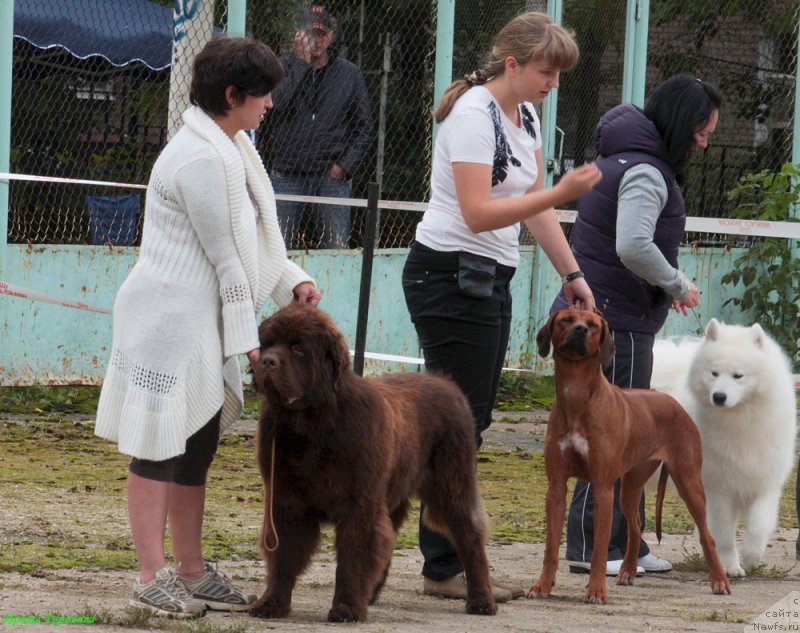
{"x": 768, "y": 270}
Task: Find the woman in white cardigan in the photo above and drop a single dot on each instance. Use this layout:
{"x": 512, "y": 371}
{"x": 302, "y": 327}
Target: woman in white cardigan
{"x": 211, "y": 254}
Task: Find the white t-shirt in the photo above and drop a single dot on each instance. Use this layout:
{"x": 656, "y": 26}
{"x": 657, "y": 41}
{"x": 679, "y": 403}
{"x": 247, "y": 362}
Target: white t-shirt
{"x": 477, "y": 131}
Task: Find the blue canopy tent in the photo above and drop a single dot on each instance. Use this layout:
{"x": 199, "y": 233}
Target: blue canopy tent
{"x": 121, "y": 32}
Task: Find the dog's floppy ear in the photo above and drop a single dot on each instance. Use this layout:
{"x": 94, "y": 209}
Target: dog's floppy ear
{"x": 339, "y": 356}
{"x": 544, "y": 336}
{"x": 607, "y": 348}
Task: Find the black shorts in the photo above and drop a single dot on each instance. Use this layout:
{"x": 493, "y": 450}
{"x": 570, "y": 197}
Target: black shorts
{"x": 190, "y": 468}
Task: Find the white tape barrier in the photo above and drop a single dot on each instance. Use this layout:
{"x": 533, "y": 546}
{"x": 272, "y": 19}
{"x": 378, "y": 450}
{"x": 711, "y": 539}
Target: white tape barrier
{"x": 726, "y": 226}
{"x": 734, "y": 226}
{"x": 34, "y": 295}
{"x": 352, "y": 202}
{"x": 100, "y": 183}
{"x": 762, "y": 228}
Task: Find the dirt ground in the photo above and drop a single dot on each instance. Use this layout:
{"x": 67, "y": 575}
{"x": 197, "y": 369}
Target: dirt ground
{"x": 676, "y": 601}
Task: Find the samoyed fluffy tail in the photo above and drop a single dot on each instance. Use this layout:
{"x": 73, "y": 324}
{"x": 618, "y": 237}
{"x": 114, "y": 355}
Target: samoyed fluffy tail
{"x": 672, "y": 359}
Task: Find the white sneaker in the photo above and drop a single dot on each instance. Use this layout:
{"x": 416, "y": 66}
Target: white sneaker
{"x": 612, "y": 567}
{"x": 652, "y": 564}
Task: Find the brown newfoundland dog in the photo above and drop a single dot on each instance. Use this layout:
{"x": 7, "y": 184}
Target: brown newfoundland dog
{"x": 351, "y": 451}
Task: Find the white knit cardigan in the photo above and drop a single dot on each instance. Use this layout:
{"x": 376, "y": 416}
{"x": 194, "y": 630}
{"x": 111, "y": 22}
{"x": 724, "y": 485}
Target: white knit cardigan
{"x": 188, "y": 308}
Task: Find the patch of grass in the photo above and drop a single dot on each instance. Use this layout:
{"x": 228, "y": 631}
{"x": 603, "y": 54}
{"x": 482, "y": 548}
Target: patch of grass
{"x": 81, "y": 399}
{"x": 521, "y": 391}
{"x": 64, "y": 501}
{"x": 713, "y": 615}
{"x": 772, "y": 573}
{"x": 691, "y": 563}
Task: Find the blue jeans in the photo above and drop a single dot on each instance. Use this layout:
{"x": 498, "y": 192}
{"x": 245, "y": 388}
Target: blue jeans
{"x": 307, "y": 225}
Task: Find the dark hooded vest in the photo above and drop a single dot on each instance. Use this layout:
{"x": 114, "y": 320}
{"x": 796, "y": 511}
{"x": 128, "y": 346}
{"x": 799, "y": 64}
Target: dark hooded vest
{"x": 624, "y": 138}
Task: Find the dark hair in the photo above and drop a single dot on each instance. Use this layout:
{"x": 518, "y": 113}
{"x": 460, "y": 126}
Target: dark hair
{"x": 679, "y": 107}
{"x": 530, "y": 36}
{"x": 247, "y": 64}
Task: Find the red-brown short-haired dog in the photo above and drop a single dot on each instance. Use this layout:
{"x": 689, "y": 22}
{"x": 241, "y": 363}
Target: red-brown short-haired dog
{"x": 599, "y": 432}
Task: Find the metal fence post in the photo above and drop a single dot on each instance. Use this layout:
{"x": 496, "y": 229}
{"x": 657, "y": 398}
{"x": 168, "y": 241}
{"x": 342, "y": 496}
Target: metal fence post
{"x": 237, "y": 11}
{"x": 635, "y": 71}
{"x": 796, "y": 130}
{"x": 370, "y": 233}
{"x": 445, "y": 33}
{"x": 6, "y": 63}
{"x": 550, "y": 113}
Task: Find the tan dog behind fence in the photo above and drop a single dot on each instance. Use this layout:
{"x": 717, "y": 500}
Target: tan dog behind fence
{"x": 351, "y": 452}
{"x": 599, "y": 433}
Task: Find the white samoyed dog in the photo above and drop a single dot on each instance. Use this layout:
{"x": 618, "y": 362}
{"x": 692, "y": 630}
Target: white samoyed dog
{"x": 736, "y": 384}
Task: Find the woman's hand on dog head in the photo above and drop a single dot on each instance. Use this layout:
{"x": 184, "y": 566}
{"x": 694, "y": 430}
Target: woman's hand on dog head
{"x": 307, "y": 292}
{"x": 253, "y": 355}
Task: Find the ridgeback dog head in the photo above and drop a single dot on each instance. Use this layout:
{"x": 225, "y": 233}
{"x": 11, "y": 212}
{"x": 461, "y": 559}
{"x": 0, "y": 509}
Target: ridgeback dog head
{"x": 575, "y": 335}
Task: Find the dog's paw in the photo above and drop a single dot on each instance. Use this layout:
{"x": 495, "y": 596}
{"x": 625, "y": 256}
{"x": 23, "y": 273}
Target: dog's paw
{"x": 720, "y": 586}
{"x": 735, "y": 571}
{"x": 346, "y": 613}
{"x": 481, "y": 606}
{"x": 269, "y": 609}
{"x": 597, "y": 596}
{"x": 540, "y": 589}
{"x": 625, "y": 577}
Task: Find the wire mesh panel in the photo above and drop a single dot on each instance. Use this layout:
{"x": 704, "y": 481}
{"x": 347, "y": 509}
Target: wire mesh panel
{"x": 592, "y": 87}
{"x": 91, "y": 101}
{"x": 357, "y": 113}
{"x": 749, "y": 51}
{"x": 95, "y": 115}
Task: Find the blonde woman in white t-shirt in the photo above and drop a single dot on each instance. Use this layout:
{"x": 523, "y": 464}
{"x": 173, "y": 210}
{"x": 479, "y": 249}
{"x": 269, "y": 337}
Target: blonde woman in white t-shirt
{"x": 487, "y": 178}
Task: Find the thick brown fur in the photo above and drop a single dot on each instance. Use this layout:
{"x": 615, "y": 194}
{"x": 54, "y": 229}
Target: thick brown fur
{"x": 598, "y": 432}
{"x": 351, "y": 452}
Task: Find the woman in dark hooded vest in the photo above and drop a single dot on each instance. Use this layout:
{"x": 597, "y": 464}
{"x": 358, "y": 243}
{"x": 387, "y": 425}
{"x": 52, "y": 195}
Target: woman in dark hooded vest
{"x": 626, "y": 240}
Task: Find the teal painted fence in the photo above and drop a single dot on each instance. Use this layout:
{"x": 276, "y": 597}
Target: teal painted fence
{"x": 41, "y": 343}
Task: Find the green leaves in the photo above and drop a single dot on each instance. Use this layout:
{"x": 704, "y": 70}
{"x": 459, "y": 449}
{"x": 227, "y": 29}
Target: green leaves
{"x": 768, "y": 270}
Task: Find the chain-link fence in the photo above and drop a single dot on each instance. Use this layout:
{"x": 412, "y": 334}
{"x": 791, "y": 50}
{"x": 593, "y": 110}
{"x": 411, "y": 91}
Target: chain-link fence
{"x": 319, "y": 119}
{"x": 93, "y": 99}
{"x": 91, "y": 119}
{"x": 749, "y": 51}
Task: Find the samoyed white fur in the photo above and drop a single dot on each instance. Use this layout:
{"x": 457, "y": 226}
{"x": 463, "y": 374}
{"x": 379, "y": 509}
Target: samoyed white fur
{"x": 736, "y": 384}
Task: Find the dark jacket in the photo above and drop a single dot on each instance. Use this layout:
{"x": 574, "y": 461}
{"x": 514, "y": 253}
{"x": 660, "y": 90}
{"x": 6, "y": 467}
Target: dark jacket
{"x": 319, "y": 118}
{"x": 625, "y": 137}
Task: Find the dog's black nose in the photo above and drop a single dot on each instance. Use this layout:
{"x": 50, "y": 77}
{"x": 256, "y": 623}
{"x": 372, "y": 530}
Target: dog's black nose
{"x": 270, "y": 361}
{"x": 580, "y": 328}
{"x": 719, "y": 398}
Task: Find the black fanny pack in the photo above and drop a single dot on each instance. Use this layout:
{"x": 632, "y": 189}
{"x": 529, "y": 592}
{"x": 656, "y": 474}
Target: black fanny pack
{"x": 476, "y": 275}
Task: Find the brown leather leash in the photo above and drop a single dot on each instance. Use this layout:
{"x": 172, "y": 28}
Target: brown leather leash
{"x": 269, "y": 521}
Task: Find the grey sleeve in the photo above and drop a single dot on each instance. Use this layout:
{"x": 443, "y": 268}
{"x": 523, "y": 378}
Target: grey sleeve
{"x": 642, "y": 196}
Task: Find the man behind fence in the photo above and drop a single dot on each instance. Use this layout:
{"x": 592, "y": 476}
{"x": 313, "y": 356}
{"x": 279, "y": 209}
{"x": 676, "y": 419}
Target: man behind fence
{"x": 321, "y": 130}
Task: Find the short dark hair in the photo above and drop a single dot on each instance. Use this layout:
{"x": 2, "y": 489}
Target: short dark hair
{"x": 679, "y": 107}
{"x": 243, "y": 62}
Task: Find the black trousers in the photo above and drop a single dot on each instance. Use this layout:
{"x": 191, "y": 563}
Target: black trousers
{"x": 632, "y": 367}
{"x": 797, "y": 503}
{"x": 465, "y": 338}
